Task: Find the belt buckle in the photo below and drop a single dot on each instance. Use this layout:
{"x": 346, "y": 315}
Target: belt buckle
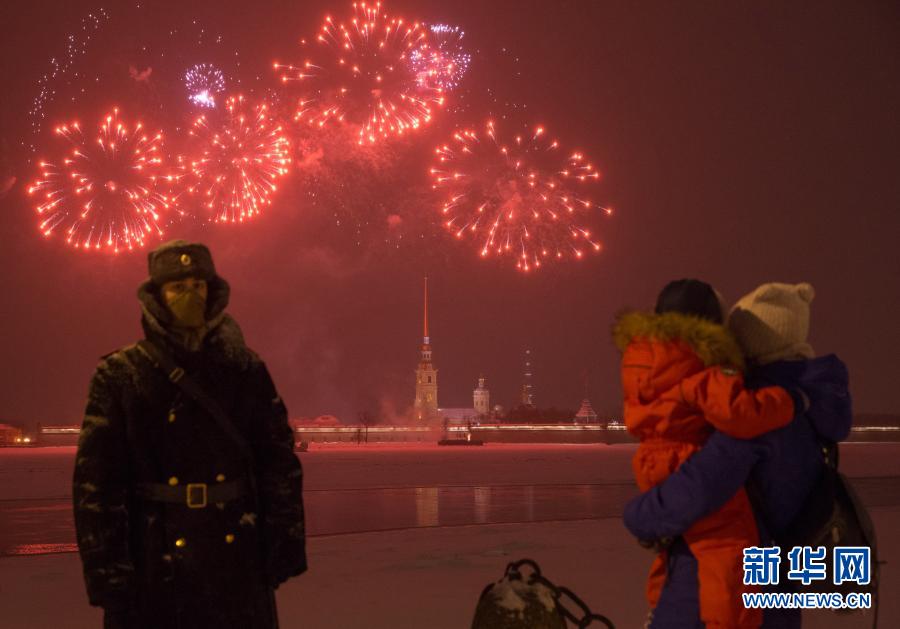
{"x": 191, "y": 489}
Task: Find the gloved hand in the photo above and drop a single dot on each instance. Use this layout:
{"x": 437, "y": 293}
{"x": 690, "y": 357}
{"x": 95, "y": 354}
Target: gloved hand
{"x": 119, "y": 619}
{"x": 656, "y": 545}
{"x": 285, "y": 559}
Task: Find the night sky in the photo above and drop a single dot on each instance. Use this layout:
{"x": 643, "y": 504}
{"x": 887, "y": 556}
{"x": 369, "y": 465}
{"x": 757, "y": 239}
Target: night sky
{"x": 739, "y": 143}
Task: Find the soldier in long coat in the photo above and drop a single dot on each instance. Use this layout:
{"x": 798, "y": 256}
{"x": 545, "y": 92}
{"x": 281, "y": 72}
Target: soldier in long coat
{"x": 177, "y": 524}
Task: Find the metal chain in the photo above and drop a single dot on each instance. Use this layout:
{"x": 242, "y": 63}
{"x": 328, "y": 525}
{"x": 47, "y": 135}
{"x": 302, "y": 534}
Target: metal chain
{"x": 513, "y": 571}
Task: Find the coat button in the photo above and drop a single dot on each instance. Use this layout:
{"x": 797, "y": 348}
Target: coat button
{"x": 181, "y": 542}
{"x": 173, "y": 481}
{"x": 229, "y": 538}
{"x": 220, "y": 477}
{"x": 171, "y": 416}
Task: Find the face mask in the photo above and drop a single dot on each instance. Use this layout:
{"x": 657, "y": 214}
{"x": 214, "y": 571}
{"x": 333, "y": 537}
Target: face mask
{"x": 189, "y": 309}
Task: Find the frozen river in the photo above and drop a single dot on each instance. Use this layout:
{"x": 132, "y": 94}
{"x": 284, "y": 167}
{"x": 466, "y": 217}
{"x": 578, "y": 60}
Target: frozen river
{"x": 434, "y": 526}
{"x": 355, "y": 489}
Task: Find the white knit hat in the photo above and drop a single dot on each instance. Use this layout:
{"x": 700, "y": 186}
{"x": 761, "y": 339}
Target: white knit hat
{"x": 772, "y": 322}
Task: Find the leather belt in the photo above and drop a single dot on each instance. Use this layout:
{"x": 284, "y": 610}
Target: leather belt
{"x": 193, "y": 495}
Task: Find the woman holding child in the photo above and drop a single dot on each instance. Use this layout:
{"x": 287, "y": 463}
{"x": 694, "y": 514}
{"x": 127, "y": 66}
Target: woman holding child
{"x": 703, "y": 434}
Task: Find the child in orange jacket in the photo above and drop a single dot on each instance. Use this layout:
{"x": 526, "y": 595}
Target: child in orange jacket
{"x": 681, "y": 379}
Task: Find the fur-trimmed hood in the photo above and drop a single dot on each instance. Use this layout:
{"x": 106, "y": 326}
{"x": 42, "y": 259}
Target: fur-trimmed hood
{"x": 711, "y": 342}
{"x": 222, "y": 339}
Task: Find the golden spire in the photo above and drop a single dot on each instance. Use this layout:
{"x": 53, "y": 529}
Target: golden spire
{"x": 426, "y": 311}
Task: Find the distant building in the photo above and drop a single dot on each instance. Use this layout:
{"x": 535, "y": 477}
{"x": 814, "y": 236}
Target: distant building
{"x": 458, "y": 415}
{"x": 425, "y": 406}
{"x": 58, "y": 435}
{"x": 10, "y": 435}
{"x": 586, "y": 414}
{"x": 481, "y": 398}
{"x": 527, "y": 393}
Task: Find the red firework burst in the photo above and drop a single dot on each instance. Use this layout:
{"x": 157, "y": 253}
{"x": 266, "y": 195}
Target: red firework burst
{"x": 239, "y": 158}
{"x": 107, "y": 192}
{"x": 522, "y": 198}
{"x": 363, "y": 76}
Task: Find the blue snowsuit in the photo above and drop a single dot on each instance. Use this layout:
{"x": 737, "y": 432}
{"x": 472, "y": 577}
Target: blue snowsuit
{"x": 784, "y": 464}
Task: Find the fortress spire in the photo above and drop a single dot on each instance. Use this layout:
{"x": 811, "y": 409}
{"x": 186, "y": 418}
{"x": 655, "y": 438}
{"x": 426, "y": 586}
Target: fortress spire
{"x": 426, "y": 404}
{"x": 425, "y": 319}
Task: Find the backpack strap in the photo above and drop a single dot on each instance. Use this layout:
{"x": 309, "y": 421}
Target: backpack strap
{"x": 177, "y": 376}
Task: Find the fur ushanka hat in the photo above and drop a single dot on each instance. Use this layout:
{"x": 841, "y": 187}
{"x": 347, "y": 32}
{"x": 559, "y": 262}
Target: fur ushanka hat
{"x": 178, "y": 259}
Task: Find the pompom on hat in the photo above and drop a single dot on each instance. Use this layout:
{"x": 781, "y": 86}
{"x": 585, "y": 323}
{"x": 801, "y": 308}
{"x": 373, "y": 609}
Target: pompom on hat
{"x": 772, "y": 322}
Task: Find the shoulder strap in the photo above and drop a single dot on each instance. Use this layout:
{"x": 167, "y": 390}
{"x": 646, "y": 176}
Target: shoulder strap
{"x": 189, "y": 387}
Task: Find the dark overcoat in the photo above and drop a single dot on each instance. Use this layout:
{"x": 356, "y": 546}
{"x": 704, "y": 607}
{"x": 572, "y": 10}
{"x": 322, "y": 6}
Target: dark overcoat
{"x": 166, "y": 564}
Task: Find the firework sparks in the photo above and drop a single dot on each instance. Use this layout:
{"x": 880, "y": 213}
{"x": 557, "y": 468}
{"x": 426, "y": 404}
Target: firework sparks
{"x": 76, "y": 45}
{"x": 240, "y": 159}
{"x": 204, "y": 82}
{"x": 363, "y": 76}
{"x": 138, "y": 55}
{"x": 521, "y": 198}
{"x": 106, "y": 192}
{"x": 443, "y": 60}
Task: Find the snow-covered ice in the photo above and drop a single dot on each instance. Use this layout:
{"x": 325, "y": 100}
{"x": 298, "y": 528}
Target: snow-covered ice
{"x": 431, "y": 575}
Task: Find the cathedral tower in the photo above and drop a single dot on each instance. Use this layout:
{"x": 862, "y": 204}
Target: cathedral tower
{"x": 426, "y": 404}
{"x": 481, "y": 398}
